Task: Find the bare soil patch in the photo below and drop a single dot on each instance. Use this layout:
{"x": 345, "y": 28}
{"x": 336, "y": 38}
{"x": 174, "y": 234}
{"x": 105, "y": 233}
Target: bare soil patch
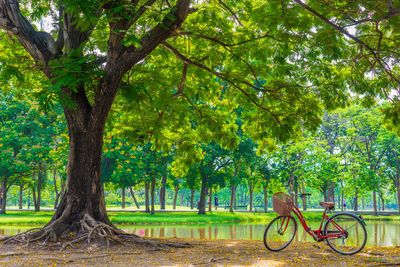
{"x": 202, "y": 253}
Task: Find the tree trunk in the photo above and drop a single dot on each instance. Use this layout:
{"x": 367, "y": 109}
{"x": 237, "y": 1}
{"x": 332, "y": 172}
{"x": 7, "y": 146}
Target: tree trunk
{"x": 40, "y": 180}
{"x": 146, "y": 189}
{"x": 3, "y": 194}
{"x": 398, "y": 196}
{"x": 265, "y": 198}
{"x": 251, "y": 196}
{"x": 134, "y": 198}
{"x": 29, "y": 198}
{"x": 374, "y": 203}
{"x": 331, "y": 192}
{"x": 233, "y": 198}
{"x": 203, "y": 193}
{"x": 55, "y": 189}
{"x": 175, "y": 196}
{"x": 304, "y": 199}
{"x": 123, "y": 198}
{"x": 153, "y": 188}
{"x": 191, "y": 198}
{"x": 34, "y": 198}
{"x": 162, "y": 192}
{"x": 356, "y": 199}
{"x": 21, "y": 191}
{"x": 383, "y": 202}
{"x": 210, "y": 200}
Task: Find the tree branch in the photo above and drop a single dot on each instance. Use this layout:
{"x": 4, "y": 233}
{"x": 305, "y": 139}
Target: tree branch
{"x": 380, "y": 61}
{"x": 40, "y": 45}
{"x": 169, "y": 25}
{"x": 220, "y": 75}
{"x": 182, "y": 84}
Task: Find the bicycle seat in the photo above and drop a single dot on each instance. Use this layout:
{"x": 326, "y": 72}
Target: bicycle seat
{"x": 327, "y": 205}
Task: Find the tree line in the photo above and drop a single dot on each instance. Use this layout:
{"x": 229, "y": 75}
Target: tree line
{"x": 353, "y": 154}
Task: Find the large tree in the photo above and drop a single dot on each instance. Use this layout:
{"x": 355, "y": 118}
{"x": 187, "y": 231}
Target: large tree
{"x": 87, "y": 102}
{"x": 97, "y": 47}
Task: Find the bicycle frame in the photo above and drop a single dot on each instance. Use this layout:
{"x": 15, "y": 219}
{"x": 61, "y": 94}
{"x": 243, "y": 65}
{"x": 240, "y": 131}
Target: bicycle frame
{"x": 316, "y": 234}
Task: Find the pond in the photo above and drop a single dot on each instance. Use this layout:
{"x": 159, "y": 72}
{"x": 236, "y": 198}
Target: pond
{"x": 380, "y": 234}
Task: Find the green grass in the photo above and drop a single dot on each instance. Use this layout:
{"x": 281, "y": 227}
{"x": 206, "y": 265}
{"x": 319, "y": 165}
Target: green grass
{"x": 43, "y": 217}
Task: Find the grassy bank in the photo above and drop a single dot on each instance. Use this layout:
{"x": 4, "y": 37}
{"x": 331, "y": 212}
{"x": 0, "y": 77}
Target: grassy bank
{"x": 42, "y": 217}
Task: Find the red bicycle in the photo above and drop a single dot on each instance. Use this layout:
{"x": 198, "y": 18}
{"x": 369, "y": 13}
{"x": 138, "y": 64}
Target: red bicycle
{"x": 344, "y": 232}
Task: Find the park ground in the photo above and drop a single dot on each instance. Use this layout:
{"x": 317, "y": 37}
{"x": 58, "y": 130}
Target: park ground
{"x": 201, "y": 253}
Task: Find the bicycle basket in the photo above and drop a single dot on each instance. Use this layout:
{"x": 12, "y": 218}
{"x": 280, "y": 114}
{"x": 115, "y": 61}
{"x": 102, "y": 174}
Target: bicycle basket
{"x": 282, "y": 203}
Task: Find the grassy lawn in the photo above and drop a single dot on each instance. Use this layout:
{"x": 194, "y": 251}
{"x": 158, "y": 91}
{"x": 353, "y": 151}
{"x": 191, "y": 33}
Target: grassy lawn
{"x": 42, "y": 217}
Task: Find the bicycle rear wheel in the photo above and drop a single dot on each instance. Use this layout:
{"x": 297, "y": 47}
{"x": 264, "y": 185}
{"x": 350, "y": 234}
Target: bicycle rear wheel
{"x": 279, "y": 233}
{"x": 350, "y": 232}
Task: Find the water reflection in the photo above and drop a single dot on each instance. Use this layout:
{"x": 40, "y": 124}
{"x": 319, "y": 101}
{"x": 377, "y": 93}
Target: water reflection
{"x": 379, "y": 233}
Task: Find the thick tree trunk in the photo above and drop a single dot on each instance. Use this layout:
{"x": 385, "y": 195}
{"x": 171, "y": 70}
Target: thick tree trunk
{"x": 146, "y": 189}
{"x": 356, "y": 199}
{"x": 21, "y": 191}
{"x": 233, "y": 198}
{"x": 123, "y": 197}
{"x": 175, "y": 196}
{"x": 191, "y": 198}
{"x": 374, "y": 203}
{"x": 83, "y": 199}
{"x": 265, "y": 198}
{"x": 3, "y": 195}
{"x": 152, "y": 190}
{"x": 134, "y": 198}
{"x": 203, "y": 194}
{"x": 162, "y": 192}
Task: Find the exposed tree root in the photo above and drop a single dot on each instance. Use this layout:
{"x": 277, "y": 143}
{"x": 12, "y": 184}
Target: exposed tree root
{"x": 90, "y": 231}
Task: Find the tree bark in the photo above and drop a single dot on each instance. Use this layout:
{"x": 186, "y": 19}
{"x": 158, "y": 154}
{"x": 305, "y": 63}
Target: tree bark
{"x": 21, "y": 191}
{"x": 123, "y": 197}
{"x": 210, "y": 199}
{"x": 374, "y": 203}
{"x": 134, "y": 198}
{"x": 162, "y": 192}
{"x": 175, "y": 196}
{"x": 153, "y": 188}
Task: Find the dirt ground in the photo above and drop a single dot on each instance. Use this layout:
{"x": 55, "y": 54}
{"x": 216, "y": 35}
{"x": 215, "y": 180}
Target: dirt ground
{"x": 202, "y": 253}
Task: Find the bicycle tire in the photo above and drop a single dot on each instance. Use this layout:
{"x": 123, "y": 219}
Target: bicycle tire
{"x": 356, "y": 235}
{"x": 273, "y": 232}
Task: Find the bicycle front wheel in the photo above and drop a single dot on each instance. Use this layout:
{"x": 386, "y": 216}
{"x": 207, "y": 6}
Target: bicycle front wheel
{"x": 279, "y": 233}
{"x": 348, "y": 234}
